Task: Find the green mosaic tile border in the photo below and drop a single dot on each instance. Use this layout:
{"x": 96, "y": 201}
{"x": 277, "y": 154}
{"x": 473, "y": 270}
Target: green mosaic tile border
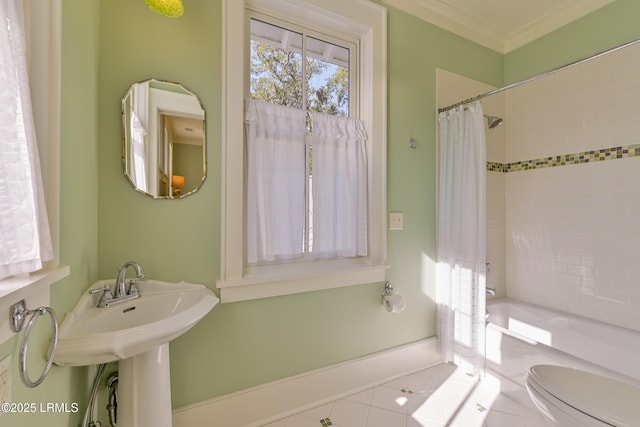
{"x": 612, "y": 153}
{"x": 497, "y": 167}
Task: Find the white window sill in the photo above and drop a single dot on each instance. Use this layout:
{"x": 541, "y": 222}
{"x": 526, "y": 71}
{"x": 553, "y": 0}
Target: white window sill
{"x": 33, "y": 288}
{"x": 264, "y": 285}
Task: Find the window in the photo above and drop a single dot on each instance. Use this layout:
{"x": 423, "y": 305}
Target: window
{"x": 26, "y": 242}
{"x": 310, "y": 79}
{"x": 323, "y": 82}
{"x": 326, "y": 58}
{"x": 42, "y": 27}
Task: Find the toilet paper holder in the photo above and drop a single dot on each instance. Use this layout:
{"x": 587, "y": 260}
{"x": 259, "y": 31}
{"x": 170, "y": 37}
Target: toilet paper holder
{"x": 388, "y": 290}
{"x": 392, "y": 303}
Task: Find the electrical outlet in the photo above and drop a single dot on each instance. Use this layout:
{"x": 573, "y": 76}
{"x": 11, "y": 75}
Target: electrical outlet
{"x": 5, "y": 381}
{"x": 396, "y": 221}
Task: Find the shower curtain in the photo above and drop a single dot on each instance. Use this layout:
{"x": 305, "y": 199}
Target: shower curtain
{"x": 461, "y": 261}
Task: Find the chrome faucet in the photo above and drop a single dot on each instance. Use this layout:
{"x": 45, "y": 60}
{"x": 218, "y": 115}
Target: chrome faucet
{"x": 120, "y": 288}
{"x": 491, "y": 292}
{"x": 120, "y": 292}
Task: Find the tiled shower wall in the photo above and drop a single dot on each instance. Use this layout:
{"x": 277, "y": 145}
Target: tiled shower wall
{"x": 572, "y": 190}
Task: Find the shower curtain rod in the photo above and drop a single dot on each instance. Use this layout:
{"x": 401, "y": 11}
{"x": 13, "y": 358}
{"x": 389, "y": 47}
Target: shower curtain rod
{"x": 538, "y": 76}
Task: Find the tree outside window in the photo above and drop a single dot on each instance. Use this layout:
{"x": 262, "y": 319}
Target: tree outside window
{"x": 277, "y": 72}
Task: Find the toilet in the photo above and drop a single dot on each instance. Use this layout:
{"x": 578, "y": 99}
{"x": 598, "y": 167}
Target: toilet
{"x": 570, "y": 397}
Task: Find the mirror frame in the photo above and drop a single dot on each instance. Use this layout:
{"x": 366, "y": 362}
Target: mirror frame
{"x": 173, "y": 113}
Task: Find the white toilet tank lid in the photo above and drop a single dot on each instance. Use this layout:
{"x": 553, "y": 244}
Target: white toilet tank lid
{"x": 600, "y": 397}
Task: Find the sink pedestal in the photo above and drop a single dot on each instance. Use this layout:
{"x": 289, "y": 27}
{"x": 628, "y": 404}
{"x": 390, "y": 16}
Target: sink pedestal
{"x": 137, "y": 333}
{"x": 144, "y": 389}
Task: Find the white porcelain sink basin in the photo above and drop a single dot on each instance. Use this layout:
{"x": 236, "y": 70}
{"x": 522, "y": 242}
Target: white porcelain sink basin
{"x": 90, "y": 335}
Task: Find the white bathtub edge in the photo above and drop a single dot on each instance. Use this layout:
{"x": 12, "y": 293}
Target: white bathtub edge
{"x": 577, "y": 341}
{"x": 269, "y": 402}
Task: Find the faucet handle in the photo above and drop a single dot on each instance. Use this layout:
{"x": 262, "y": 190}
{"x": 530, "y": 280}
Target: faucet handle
{"x": 133, "y": 288}
{"x": 105, "y": 288}
{"x": 106, "y": 296}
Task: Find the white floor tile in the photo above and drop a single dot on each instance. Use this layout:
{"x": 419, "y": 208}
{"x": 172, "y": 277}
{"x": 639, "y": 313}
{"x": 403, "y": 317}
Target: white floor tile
{"x": 446, "y": 369}
{"x": 319, "y": 412}
{"x": 537, "y": 422}
{"x": 390, "y": 399}
{"x": 417, "y": 422}
{"x": 399, "y": 383}
{"x": 435, "y": 397}
{"x": 349, "y": 414}
{"x": 499, "y": 419}
{"x": 302, "y": 421}
{"x": 429, "y": 409}
{"x": 429, "y": 372}
{"x": 280, "y": 423}
{"x": 362, "y": 397}
{"x": 465, "y": 414}
{"x": 382, "y": 418}
{"x": 505, "y": 405}
{"x": 423, "y": 384}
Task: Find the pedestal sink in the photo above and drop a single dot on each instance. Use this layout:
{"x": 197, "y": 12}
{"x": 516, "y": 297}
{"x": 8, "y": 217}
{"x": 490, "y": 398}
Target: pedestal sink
{"x": 137, "y": 333}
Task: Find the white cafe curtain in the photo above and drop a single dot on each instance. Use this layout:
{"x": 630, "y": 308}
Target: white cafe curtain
{"x": 339, "y": 185}
{"x": 275, "y": 181}
{"x": 280, "y": 216}
{"x": 25, "y": 241}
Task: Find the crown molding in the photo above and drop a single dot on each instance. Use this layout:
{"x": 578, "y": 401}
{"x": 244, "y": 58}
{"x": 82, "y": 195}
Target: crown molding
{"x": 465, "y": 25}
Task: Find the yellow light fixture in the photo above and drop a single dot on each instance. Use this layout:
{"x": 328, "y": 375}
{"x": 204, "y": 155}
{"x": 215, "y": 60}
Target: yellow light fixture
{"x": 177, "y": 181}
{"x": 170, "y": 8}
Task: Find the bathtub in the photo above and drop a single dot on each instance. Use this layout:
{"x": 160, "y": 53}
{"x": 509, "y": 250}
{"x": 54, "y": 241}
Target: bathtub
{"x": 520, "y": 335}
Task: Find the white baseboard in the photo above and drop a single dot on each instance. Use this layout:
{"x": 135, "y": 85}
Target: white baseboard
{"x": 266, "y": 403}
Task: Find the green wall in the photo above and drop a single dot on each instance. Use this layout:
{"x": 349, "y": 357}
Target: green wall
{"x": 609, "y": 26}
{"x": 107, "y": 45}
{"x": 243, "y": 344}
{"x": 78, "y": 222}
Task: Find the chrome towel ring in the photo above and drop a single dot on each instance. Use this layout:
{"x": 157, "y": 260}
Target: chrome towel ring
{"x": 18, "y": 313}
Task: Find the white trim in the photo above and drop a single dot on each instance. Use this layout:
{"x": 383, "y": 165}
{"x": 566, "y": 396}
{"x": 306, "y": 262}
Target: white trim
{"x": 263, "y": 404}
{"x": 254, "y": 287}
{"x": 456, "y": 21}
{"x": 33, "y": 288}
{"x": 568, "y": 14}
{"x": 366, "y": 22}
{"x": 232, "y": 126}
{"x": 446, "y": 17}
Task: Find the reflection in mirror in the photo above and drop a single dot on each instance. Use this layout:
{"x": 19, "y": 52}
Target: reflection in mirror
{"x": 164, "y": 151}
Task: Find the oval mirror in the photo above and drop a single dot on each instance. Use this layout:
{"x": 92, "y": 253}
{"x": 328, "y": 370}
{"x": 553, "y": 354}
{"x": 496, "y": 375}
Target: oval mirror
{"x": 164, "y": 150}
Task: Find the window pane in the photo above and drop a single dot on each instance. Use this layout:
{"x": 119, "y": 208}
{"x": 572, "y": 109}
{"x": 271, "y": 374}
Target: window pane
{"x": 327, "y": 73}
{"x": 276, "y": 64}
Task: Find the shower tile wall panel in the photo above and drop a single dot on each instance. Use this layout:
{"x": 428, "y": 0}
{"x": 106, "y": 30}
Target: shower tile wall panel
{"x": 572, "y": 233}
{"x": 587, "y": 107}
{"x": 573, "y": 239}
{"x": 495, "y": 232}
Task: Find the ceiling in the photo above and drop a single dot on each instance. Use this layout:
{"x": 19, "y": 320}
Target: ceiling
{"x": 501, "y": 25}
{"x": 185, "y": 130}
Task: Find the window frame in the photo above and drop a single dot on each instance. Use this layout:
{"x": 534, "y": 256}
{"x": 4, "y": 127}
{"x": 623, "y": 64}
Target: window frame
{"x": 363, "y": 21}
{"x": 305, "y": 32}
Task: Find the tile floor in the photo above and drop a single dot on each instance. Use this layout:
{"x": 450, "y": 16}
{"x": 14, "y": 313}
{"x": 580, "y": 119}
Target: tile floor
{"x": 434, "y": 397}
